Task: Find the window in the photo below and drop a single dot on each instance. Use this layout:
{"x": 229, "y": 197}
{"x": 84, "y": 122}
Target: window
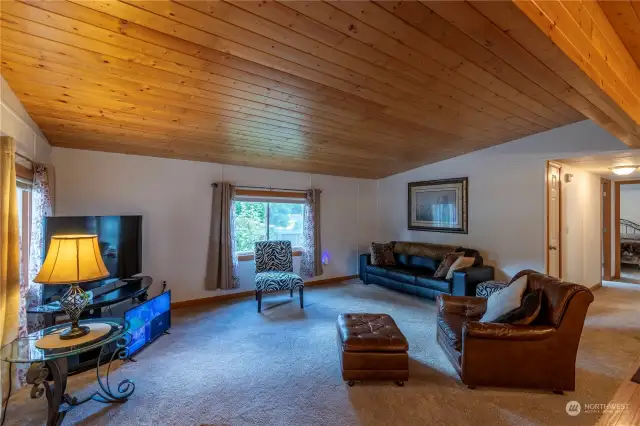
{"x": 260, "y": 220}
{"x": 23, "y": 193}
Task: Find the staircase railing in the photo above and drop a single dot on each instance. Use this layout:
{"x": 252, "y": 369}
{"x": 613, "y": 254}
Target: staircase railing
{"x": 628, "y": 227}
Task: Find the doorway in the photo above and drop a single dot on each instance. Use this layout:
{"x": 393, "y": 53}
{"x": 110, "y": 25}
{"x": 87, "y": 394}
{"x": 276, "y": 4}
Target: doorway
{"x": 606, "y": 230}
{"x": 554, "y": 214}
{"x": 627, "y": 231}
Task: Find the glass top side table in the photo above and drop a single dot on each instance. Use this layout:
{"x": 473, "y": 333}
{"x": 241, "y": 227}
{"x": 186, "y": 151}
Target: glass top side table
{"x": 46, "y": 363}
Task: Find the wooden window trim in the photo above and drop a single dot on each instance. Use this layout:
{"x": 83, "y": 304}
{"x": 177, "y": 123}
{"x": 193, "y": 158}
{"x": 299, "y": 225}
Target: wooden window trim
{"x": 24, "y": 172}
{"x": 270, "y": 194}
{"x": 25, "y": 233}
{"x": 245, "y": 257}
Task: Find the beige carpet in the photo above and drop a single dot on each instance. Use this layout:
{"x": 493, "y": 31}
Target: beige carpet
{"x": 229, "y": 365}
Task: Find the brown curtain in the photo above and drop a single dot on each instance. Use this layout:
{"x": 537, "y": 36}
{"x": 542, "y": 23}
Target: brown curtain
{"x": 9, "y": 255}
{"x": 222, "y": 262}
{"x": 311, "y": 262}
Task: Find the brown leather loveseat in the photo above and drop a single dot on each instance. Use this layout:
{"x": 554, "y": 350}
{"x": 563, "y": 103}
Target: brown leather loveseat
{"x": 542, "y": 355}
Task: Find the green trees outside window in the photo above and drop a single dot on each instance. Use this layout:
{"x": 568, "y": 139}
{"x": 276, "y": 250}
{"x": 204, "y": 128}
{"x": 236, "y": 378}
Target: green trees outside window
{"x": 259, "y": 221}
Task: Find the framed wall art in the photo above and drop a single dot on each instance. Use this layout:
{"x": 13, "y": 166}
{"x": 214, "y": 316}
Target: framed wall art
{"x": 439, "y": 205}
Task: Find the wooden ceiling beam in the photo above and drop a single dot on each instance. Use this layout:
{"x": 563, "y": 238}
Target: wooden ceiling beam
{"x": 584, "y": 34}
{"x": 508, "y": 17}
{"x": 624, "y": 16}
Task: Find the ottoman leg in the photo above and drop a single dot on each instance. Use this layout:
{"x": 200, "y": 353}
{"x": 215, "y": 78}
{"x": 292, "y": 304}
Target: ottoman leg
{"x": 259, "y": 294}
{"x": 351, "y": 383}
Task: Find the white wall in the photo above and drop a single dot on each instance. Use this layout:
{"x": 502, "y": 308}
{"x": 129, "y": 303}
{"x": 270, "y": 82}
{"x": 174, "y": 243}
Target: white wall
{"x": 174, "y": 196}
{"x": 581, "y": 227}
{"x": 507, "y": 217}
{"x": 630, "y": 202}
{"x": 15, "y": 122}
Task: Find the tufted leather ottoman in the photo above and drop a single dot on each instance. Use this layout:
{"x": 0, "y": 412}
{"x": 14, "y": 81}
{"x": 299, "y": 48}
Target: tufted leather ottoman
{"x": 372, "y": 347}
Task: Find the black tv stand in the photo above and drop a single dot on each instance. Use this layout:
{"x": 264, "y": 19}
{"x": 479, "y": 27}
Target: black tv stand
{"x": 117, "y": 292}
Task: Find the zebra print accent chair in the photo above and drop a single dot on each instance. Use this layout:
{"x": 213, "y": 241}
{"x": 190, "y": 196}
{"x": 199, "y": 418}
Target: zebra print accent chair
{"x": 274, "y": 270}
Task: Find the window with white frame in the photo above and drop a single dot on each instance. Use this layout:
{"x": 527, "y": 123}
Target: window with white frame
{"x": 264, "y": 218}
{"x": 23, "y": 193}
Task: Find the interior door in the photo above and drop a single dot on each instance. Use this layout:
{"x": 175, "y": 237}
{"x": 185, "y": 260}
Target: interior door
{"x": 553, "y": 219}
{"x": 606, "y": 229}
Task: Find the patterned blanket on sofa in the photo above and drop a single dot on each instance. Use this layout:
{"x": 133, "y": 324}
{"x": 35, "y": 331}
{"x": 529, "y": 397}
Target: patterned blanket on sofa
{"x": 630, "y": 248}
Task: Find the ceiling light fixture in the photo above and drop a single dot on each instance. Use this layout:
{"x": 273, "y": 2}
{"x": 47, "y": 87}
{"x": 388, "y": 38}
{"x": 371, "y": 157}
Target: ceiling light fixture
{"x": 624, "y": 170}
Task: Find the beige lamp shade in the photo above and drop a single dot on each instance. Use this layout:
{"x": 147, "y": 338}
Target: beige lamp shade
{"x": 72, "y": 259}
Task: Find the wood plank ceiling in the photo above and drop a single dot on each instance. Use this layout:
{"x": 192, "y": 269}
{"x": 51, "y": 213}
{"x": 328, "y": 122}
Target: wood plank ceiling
{"x": 624, "y": 16}
{"x": 364, "y": 89}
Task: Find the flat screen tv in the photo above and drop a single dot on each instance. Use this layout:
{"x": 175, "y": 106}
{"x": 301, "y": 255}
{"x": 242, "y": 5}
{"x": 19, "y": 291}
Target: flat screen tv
{"x": 148, "y": 320}
{"x": 119, "y": 237}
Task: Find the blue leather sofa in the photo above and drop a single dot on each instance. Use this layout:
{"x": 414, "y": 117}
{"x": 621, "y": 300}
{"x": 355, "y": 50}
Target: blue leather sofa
{"x": 415, "y": 266}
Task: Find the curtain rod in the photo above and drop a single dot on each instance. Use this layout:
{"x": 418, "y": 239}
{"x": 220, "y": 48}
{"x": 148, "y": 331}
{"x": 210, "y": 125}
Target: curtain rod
{"x": 267, "y": 187}
{"x": 25, "y": 158}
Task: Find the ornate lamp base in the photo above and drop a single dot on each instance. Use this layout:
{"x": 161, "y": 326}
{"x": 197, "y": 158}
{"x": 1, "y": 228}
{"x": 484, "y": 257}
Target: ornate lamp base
{"x": 73, "y": 302}
{"x": 74, "y": 332}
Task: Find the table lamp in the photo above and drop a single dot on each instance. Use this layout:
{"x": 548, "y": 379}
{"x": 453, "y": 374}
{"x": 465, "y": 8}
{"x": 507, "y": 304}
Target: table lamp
{"x": 73, "y": 259}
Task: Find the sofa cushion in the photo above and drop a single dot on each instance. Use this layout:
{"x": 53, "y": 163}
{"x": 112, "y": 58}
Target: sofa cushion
{"x": 429, "y": 281}
{"x": 403, "y": 275}
{"x": 451, "y": 327}
{"x": 435, "y": 251}
{"x": 446, "y": 263}
{"x": 377, "y": 270}
{"x": 276, "y": 280}
{"x": 526, "y": 313}
{"x": 471, "y": 253}
{"x": 402, "y": 259}
{"x": 424, "y": 262}
{"x": 382, "y": 254}
{"x": 460, "y": 263}
{"x": 505, "y": 300}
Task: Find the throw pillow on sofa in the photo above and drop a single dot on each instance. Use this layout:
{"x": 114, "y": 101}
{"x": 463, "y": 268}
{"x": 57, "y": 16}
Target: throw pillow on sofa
{"x": 446, "y": 263}
{"x": 526, "y": 313}
{"x": 461, "y": 262}
{"x": 505, "y": 300}
{"x": 382, "y": 254}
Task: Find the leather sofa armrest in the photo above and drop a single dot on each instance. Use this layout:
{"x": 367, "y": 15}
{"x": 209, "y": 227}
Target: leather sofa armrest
{"x": 467, "y": 306}
{"x": 365, "y": 259}
{"x": 465, "y": 280}
{"x": 488, "y": 330}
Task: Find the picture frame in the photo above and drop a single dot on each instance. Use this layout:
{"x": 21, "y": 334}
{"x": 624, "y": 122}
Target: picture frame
{"x": 439, "y": 205}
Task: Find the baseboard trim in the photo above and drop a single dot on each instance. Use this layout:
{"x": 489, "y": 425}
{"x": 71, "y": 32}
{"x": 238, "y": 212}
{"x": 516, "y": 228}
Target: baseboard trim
{"x": 248, "y": 293}
{"x": 596, "y": 286}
